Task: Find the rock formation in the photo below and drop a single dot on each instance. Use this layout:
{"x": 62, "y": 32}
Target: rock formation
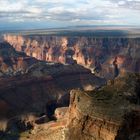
{"x": 109, "y": 113}
{"x": 92, "y": 52}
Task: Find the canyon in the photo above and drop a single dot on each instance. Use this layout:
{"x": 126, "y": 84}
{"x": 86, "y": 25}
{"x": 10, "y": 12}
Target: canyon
{"x": 69, "y": 87}
{"x": 96, "y": 53}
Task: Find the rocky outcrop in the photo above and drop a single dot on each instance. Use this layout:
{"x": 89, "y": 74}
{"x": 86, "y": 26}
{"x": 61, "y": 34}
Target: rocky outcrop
{"x": 102, "y": 121}
{"x": 92, "y": 52}
{"x": 105, "y": 114}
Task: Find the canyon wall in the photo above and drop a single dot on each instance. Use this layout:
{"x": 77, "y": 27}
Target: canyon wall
{"x": 102, "y": 117}
{"x": 96, "y": 53}
{"x": 109, "y": 113}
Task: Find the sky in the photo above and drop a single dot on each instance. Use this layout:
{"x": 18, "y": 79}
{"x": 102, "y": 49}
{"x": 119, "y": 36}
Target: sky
{"x": 39, "y": 14}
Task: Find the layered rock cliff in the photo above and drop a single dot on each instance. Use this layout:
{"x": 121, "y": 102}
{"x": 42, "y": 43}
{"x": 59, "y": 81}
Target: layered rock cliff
{"x": 110, "y": 113}
{"x": 92, "y": 52}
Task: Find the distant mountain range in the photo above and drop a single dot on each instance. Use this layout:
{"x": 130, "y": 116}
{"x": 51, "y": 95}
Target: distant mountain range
{"x": 101, "y": 31}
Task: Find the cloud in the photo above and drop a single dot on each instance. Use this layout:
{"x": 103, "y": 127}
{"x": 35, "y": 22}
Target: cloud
{"x": 14, "y": 11}
{"x": 70, "y": 12}
{"x": 129, "y": 4}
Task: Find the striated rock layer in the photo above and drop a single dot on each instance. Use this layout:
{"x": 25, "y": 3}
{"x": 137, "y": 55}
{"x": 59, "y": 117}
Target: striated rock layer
{"x": 106, "y": 114}
{"x": 92, "y": 52}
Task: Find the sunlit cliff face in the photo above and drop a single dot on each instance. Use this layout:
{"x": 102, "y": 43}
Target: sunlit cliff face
{"x": 90, "y": 52}
{"x": 120, "y": 60}
{"x": 52, "y": 50}
{"x": 16, "y": 41}
{"x": 63, "y": 49}
{"x": 40, "y": 49}
{"x": 64, "y": 43}
{"x": 78, "y": 56}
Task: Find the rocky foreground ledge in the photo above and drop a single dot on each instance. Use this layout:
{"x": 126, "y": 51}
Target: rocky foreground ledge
{"x": 109, "y": 113}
